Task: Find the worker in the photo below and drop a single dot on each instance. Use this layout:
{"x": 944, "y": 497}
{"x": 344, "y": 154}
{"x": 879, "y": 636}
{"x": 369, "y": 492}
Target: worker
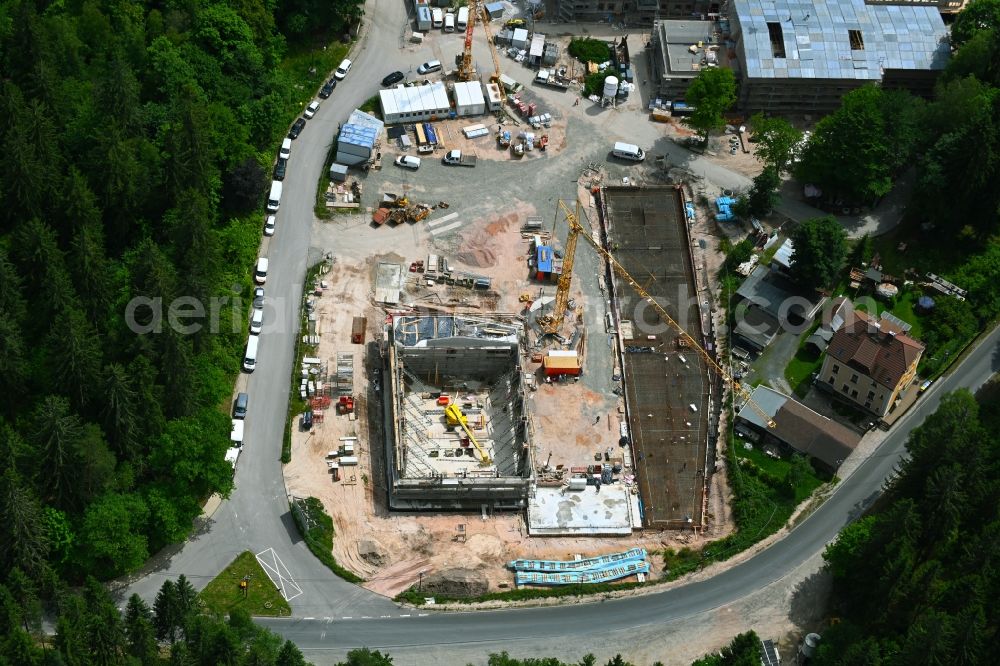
{"x": 597, "y": 420}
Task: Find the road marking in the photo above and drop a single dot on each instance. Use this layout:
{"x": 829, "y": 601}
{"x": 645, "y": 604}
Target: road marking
{"x": 278, "y": 573}
{"x": 322, "y": 635}
{"x": 367, "y": 617}
{"x": 308, "y": 618}
{"x": 422, "y": 614}
{"x": 441, "y": 230}
{"x": 442, "y": 220}
{"x": 347, "y": 617}
{"x": 384, "y": 616}
{"x": 407, "y": 615}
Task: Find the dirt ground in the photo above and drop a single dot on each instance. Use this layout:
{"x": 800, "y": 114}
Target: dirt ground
{"x": 391, "y": 551}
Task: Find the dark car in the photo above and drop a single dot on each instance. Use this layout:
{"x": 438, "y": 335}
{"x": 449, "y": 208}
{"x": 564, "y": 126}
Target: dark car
{"x": 306, "y": 421}
{"x": 327, "y": 88}
{"x": 297, "y": 127}
{"x": 393, "y": 79}
{"x": 258, "y": 297}
{"x": 240, "y": 406}
{"x": 279, "y": 169}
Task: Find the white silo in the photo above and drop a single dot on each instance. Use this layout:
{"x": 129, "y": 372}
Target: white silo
{"x": 610, "y": 92}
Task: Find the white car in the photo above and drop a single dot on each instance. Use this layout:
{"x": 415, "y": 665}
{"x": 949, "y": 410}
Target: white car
{"x": 286, "y": 149}
{"x": 429, "y": 66}
{"x": 260, "y": 273}
{"x": 343, "y": 69}
{"x": 408, "y": 162}
{"x": 270, "y": 225}
{"x": 311, "y": 109}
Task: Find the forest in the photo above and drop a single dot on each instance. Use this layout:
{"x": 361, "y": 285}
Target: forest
{"x": 136, "y": 136}
{"x": 917, "y": 580}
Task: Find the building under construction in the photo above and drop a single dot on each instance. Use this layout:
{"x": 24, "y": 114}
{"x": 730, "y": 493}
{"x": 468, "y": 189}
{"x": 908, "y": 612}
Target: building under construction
{"x": 668, "y": 386}
{"x": 457, "y": 434}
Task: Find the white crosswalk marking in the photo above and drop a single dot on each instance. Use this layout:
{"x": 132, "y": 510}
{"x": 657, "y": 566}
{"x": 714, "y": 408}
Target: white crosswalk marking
{"x": 441, "y": 230}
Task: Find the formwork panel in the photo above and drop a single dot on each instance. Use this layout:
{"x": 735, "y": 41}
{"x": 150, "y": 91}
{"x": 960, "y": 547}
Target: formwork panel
{"x": 666, "y": 386}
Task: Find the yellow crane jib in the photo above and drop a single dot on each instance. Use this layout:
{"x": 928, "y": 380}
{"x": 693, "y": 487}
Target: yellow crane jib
{"x": 563, "y": 295}
{"x": 454, "y": 417}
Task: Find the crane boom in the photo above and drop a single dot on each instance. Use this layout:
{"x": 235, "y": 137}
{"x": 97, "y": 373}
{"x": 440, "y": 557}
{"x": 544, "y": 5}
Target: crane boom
{"x": 465, "y": 69}
{"x": 454, "y": 415}
{"x": 493, "y": 48}
{"x": 575, "y": 229}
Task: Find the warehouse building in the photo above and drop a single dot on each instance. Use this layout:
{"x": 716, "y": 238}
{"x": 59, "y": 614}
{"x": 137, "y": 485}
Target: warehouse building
{"x": 469, "y": 98}
{"x": 802, "y": 56}
{"x": 632, "y": 12}
{"x": 358, "y": 138}
{"x": 409, "y": 104}
{"x": 458, "y": 436}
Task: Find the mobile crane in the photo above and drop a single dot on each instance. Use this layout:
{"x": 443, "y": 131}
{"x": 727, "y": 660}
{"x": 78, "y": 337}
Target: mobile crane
{"x": 552, "y": 321}
{"x": 454, "y": 417}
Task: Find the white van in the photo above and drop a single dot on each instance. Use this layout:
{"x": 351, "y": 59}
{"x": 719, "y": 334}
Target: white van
{"x": 628, "y": 151}
{"x": 437, "y": 17}
{"x": 286, "y": 149}
{"x": 256, "y": 321}
{"x": 274, "y": 198}
{"x": 250, "y": 358}
{"x": 463, "y": 18}
{"x": 236, "y": 434}
{"x": 449, "y": 22}
{"x": 260, "y": 273}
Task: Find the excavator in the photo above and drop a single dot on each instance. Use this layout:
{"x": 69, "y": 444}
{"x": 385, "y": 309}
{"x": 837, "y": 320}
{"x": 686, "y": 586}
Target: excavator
{"x": 454, "y": 417}
{"x": 552, "y": 321}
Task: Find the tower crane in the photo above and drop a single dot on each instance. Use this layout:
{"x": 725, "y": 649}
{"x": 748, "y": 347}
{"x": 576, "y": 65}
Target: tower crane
{"x": 493, "y": 48}
{"x": 552, "y": 321}
{"x": 465, "y": 72}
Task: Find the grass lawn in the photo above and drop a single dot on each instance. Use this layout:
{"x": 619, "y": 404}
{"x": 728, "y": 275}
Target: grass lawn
{"x": 778, "y": 467}
{"x": 262, "y": 598}
{"x": 805, "y": 362}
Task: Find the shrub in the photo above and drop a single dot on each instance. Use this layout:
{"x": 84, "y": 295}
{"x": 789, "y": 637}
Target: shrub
{"x": 316, "y": 527}
{"x": 588, "y": 49}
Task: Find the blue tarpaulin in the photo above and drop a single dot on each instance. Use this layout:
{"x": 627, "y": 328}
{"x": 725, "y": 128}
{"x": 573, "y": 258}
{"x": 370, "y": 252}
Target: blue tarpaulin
{"x": 432, "y": 137}
{"x": 724, "y": 204}
{"x": 544, "y": 259}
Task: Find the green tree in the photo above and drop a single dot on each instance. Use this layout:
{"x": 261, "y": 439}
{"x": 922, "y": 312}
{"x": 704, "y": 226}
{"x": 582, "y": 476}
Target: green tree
{"x": 290, "y": 655}
{"x": 743, "y": 650}
{"x": 74, "y": 350}
{"x": 978, "y": 16}
{"x": 139, "y": 633}
{"x": 25, "y": 594}
{"x": 820, "y": 252}
{"x": 105, "y": 633}
{"x": 367, "y": 657}
{"x": 243, "y": 187}
{"x": 167, "y": 617}
{"x": 112, "y": 534}
{"x": 855, "y": 151}
{"x": 25, "y": 543}
{"x": 120, "y": 409}
{"x": 775, "y": 140}
{"x": 763, "y": 195}
{"x": 712, "y": 93}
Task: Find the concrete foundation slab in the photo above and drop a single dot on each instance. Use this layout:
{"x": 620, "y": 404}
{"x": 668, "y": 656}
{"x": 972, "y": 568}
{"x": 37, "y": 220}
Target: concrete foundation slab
{"x": 559, "y": 512}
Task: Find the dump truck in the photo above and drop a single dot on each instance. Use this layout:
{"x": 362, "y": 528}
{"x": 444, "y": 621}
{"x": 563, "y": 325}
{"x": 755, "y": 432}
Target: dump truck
{"x": 456, "y": 158}
{"x": 551, "y": 78}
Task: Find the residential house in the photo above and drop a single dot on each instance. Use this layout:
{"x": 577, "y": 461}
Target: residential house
{"x": 796, "y": 428}
{"x": 870, "y": 362}
{"x": 769, "y": 302}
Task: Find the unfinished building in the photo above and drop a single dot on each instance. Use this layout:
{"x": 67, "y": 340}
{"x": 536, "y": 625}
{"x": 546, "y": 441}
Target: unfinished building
{"x": 458, "y": 436}
{"x": 668, "y": 386}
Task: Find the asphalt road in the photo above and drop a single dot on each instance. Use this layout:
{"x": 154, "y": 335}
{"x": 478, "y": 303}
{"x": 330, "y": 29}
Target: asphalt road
{"x": 560, "y": 625}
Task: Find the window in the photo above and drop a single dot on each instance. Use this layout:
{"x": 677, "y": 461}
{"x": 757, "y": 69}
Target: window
{"x": 868, "y": 405}
{"x": 836, "y": 368}
{"x": 854, "y": 393}
{"x": 777, "y": 40}
{"x": 871, "y": 395}
{"x": 854, "y": 379}
{"x": 857, "y": 41}
{"x": 830, "y": 380}
{"x": 845, "y": 387}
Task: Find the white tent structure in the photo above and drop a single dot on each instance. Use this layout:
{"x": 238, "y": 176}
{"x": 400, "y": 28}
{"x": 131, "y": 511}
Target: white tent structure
{"x": 416, "y": 103}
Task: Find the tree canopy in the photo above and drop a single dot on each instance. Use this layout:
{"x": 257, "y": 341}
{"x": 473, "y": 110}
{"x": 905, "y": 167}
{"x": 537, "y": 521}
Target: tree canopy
{"x": 978, "y": 16}
{"x": 820, "y": 252}
{"x": 712, "y": 93}
{"x": 915, "y": 581}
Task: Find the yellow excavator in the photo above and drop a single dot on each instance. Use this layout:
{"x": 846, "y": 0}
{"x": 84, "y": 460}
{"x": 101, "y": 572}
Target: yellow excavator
{"x": 454, "y": 417}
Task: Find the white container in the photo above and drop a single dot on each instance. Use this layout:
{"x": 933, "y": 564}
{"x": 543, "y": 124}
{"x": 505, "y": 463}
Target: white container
{"x": 346, "y": 461}
{"x": 577, "y": 484}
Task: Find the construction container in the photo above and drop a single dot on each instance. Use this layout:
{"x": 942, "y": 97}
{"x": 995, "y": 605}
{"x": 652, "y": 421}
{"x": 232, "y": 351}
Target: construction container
{"x": 346, "y": 461}
{"x": 443, "y": 400}
{"x": 561, "y": 363}
{"x": 358, "y": 330}
{"x": 346, "y": 449}
{"x": 332, "y": 454}
{"x": 578, "y": 483}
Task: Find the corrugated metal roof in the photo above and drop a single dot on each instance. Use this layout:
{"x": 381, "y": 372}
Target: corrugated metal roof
{"x": 816, "y": 38}
{"x": 769, "y": 400}
{"x": 415, "y": 99}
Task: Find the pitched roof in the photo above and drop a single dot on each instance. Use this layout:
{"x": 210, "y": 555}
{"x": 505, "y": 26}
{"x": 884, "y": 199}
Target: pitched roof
{"x": 800, "y": 427}
{"x": 877, "y": 348}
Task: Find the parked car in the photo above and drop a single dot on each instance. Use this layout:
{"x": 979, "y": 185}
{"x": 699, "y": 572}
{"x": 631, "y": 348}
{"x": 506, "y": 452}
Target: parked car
{"x": 297, "y": 128}
{"x": 327, "y": 88}
{"x": 429, "y": 66}
{"x": 240, "y": 406}
{"x": 256, "y": 321}
{"x": 306, "y": 421}
{"x": 258, "y": 297}
{"x": 311, "y": 109}
{"x": 286, "y": 148}
{"x": 279, "y": 169}
{"x": 408, "y": 162}
{"x": 392, "y": 79}
{"x": 270, "y": 225}
{"x": 260, "y": 272}
{"x": 343, "y": 69}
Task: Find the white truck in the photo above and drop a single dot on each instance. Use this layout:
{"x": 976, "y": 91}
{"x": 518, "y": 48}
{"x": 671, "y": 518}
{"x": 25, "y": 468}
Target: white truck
{"x": 456, "y": 158}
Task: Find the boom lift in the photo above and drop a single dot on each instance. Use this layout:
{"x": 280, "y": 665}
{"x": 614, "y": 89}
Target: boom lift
{"x": 552, "y": 322}
{"x": 454, "y": 416}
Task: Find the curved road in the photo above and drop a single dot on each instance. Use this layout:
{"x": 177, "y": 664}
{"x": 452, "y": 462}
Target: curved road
{"x": 333, "y": 615}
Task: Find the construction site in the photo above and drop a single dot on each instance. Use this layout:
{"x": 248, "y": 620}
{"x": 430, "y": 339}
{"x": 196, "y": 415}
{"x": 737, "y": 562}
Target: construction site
{"x": 457, "y": 435}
